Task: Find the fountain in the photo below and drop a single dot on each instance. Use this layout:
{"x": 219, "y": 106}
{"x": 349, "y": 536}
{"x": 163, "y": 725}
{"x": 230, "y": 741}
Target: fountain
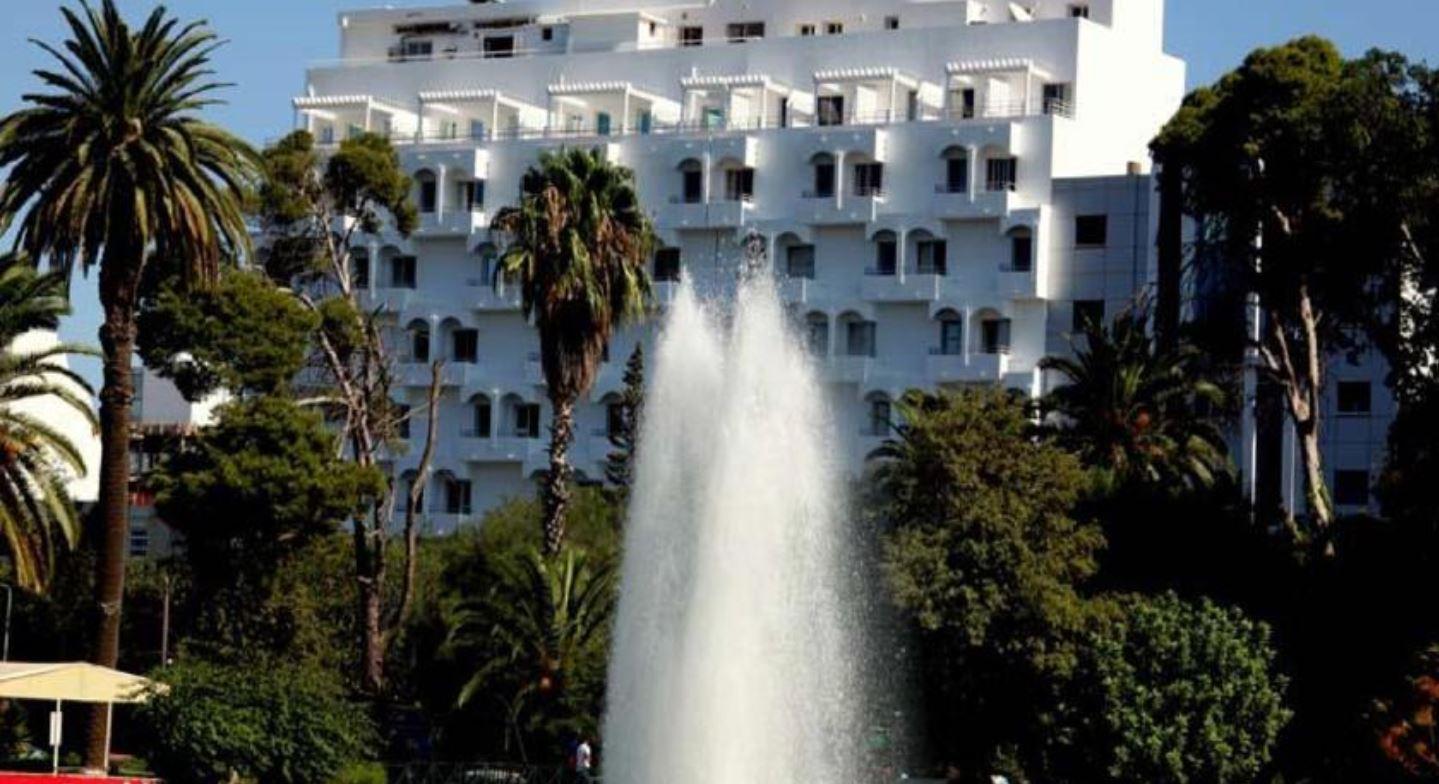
{"x": 736, "y": 656}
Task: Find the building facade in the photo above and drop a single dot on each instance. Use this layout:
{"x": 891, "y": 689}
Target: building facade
{"x": 945, "y": 187}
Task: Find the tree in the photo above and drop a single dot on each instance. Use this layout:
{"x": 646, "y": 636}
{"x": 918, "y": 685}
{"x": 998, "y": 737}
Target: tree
{"x": 984, "y": 557}
{"x": 244, "y": 335}
{"x": 249, "y": 494}
{"x": 1133, "y": 409}
{"x": 1303, "y": 164}
{"x": 360, "y": 188}
{"x": 578, "y": 243}
{"x": 1407, "y": 725}
{"x": 620, "y": 464}
{"x": 36, "y": 458}
{"x": 1173, "y": 692}
{"x": 110, "y": 168}
{"x": 270, "y": 722}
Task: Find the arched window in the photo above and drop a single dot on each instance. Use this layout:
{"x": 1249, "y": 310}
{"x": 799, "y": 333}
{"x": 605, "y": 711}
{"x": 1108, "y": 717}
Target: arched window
{"x": 951, "y": 333}
{"x": 360, "y": 268}
{"x": 429, "y": 191}
{"x": 482, "y": 416}
{"x": 419, "y": 341}
{"x": 817, "y": 334}
{"x": 880, "y": 417}
{"x": 886, "y": 254}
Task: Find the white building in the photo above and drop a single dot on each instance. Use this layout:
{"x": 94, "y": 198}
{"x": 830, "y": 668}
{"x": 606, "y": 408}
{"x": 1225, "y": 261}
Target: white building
{"x": 945, "y": 186}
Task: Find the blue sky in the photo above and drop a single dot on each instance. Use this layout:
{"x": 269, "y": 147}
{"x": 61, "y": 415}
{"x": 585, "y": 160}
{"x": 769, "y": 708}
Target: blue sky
{"x": 272, "y": 40}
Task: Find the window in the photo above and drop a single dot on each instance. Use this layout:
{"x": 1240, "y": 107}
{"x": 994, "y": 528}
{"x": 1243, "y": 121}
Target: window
{"x": 418, "y": 49}
{"x": 614, "y": 419}
{"x": 1091, "y": 231}
{"x": 478, "y": 129}
{"x": 429, "y": 192}
{"x": 694, "y": 182}
{"x": 824, "y": 172}
{"x": 602, "y": 123}
{"x": 654, "y": 28}
{"x": 402, "y": 272}
{"x": 931, "y": 257}
{"x": 956, "y": 173}
{"x": 667, "y": 265}
{"x": 967, "y": 102}
{"x": 327, "y": 134}
{"x": 402, "y": 421}
{"x": 800, "y": 262}
{"x": 834, "y": 28}
{"x": 891, "y": 23}
{"x": 692, "y": 36}
{"x": 859, "y": 338}
{"x": 420, "y": 344}
{"x": 869, "y": 179}
{"x": 1351, "y": 488}
{"x": 739, "y": 32}
{"x": 829, "y": 110}
{"x": 994, "y": 336}
{"x": 911, "y": 106}
{"x": 886, "y": 255}
{"x": 806, "y": 30}
{"x": 739, "y": 184}
{"x": 1086, "y": 312}
{"x": 817, "y": 335}
{"x": 484, "y": 416}
{"x": 500, "y": 46}
{"x": 360, "y": 268}
{"x": 1056, "y": 99}
{"x": 1021, "y": 252}
{"x": 784, "y": 112}
{"x": 1002, "y": 174}
{"x": 1079, "y": 10}
{"x": 458, "y": 494}
{"x": 527, "y": 420}
{"x": 951, "y": 337}
{"x": 139, "y": 541}
{"x": 881, "y": 417}
{"x": 712, "y": 117}
{"x": 472, "y": 195}
{"x": 547, "y": 33}
{"x": 1355, "y": 397}
{"x": 466, "y": 345}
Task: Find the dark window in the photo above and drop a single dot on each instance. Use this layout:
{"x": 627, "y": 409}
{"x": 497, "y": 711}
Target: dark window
{"x": 402, "y": 272}
{"x": 881, "y": 417}
{"x": 994, "y": 336}
{"x": 829, "y": 110}
{"x": 1091, "y": 230}
{"x": 458, "y": 494}
{"x": 472, "y": 195}
{"x": 360, "y": 269}
{"x": 466, "y": 345}
{"x": 932, "y": 257}
{"x": 806, "y": 30}
{"x": 739, "y": 184}
{"x": 1079, "y": 10}
{"x": 484, "y": 416}
{"x": 956, "y": 174}
{"x": 784, "y": 112}
{"x": 418, "y": 49}
{"x": 667, "y": 264}
{"x": 692, "y": 36}
{"x": 967, "y": 102}
{"x": 547, "y": 33}
{"x": 500, "y": 46}
{"x": 739, "y": 32}
{"x": 1056, "y": 99}
{"x": 859, "y": 338}
{"x": 1021, "y": 253}
{"x": 1355, "y": 397}
{"x": 139, "y": 541}
{"x": 800, "y": 262}
{"x": 428, "y": 193}
{"x": 818, "y": 336}
{"x": 1003, "y": 174}
{"x": 1351, "y": 488}
{"x": 834, "y": 28}
{"x": 402, "y": 421}
{"x": 614, "y": 419}
{"x": 420, "y": 345}
{"x": 1086, "y": 312}
{"x": 891, "y": 23}
{"x": 868, "y": 179}
{"x": 694, "y": 187}
{"x": 886, "y": 256}
{"x": 527, "y": 420}
{"x": 911, "y": 106}
{"x": 824, "y": 179}
{"x": 951, "y": 337}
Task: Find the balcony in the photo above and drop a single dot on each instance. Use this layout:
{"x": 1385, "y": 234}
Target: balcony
{"x": 452, "y": 223}
{"x": 944, "y": 368}
{"x": 991, "y": 202}
{"x": 500, "y": 448}
{"x": 847, "y": 369}
{"x": 892, "y": 288}
{"x": 800, "y": 291}
{"x": 1015, "y": 284}
{"x": 486, "y": 298}
{"x": 716, "y": 214}
{"x": 824, "y": 210}
{"x": 467, "y": 375}
{"x": 393, "y": 300}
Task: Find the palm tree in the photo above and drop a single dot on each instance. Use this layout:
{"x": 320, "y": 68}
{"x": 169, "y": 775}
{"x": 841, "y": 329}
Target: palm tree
{"x": 1137, "y": 411}
{"x": 109, "y": 168}
{"x": 578, "y": 246}
{"x": 36, "y": 458}
{"x": 531, "y": 634}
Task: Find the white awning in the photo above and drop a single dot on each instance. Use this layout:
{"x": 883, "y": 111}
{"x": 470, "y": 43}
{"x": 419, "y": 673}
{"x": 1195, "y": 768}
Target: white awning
{"x": 71, "y": 682}
{"x": 866, "y": 75}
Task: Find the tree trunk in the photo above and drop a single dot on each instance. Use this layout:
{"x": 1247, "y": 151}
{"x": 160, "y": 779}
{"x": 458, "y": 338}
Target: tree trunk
{"x": 557, "y": 487}
{"x": 1171, "y": 256}
{"x": 1315, "y": 489}
{"x": 370, "y": 575}
{"x": 117, "y": 339}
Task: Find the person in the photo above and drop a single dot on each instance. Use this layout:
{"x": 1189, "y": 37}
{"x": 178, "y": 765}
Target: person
{"x": 584, "y": 761}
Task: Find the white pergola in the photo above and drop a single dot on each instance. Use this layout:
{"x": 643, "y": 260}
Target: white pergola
{"x": 73, "y": 682}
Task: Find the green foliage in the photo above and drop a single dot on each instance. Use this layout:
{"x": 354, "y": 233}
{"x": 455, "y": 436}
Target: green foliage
{"x": 986, "y": 559}
{"x": 1174, "y": 692}
{"x": 37, "y": 516}
{"x": 243, "y": 335}
{"x": 250, "y": 494}
{"x": 620, "y": 463}
{"x": 367, "y": 182}
{"x": 362, "y": 773}
{"x": 1132, "y": 410}
{"x": 272, "y": 723}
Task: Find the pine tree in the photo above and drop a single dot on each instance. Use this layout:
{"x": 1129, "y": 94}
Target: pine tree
{"x": 620, "y": 464}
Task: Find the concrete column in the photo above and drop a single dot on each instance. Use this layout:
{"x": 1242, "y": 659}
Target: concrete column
{"x": 839, "y": 179}
{"x": 974, "y": 162}
{"x": 420, "y": 124}
{"x": 625, "y": 115}
{"x": 373, "y": 264}
{"x": 969, "y": 333}
{"x": 369, "y": 113}
{"x": 441, "y": 185}
{"x": 901, "y": 253}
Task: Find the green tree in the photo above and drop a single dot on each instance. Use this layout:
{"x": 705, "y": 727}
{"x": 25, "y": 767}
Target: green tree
{"x": 1173, "y": 692}
{"x": 36, "y": 459}
{"x": 620, "y": 463}
{"x": 360, "y": 187}
{"x": 984, "y": 557}
{"x": 272, "y": 722}
{"x": 244, "y": 335}
{"x": 578, "y": 244}
{"x": 1308, "y": 169}
{"x": 1132, "y": 409}
{"x": 112, "y": 167}
{"x": 249, "y": 494}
